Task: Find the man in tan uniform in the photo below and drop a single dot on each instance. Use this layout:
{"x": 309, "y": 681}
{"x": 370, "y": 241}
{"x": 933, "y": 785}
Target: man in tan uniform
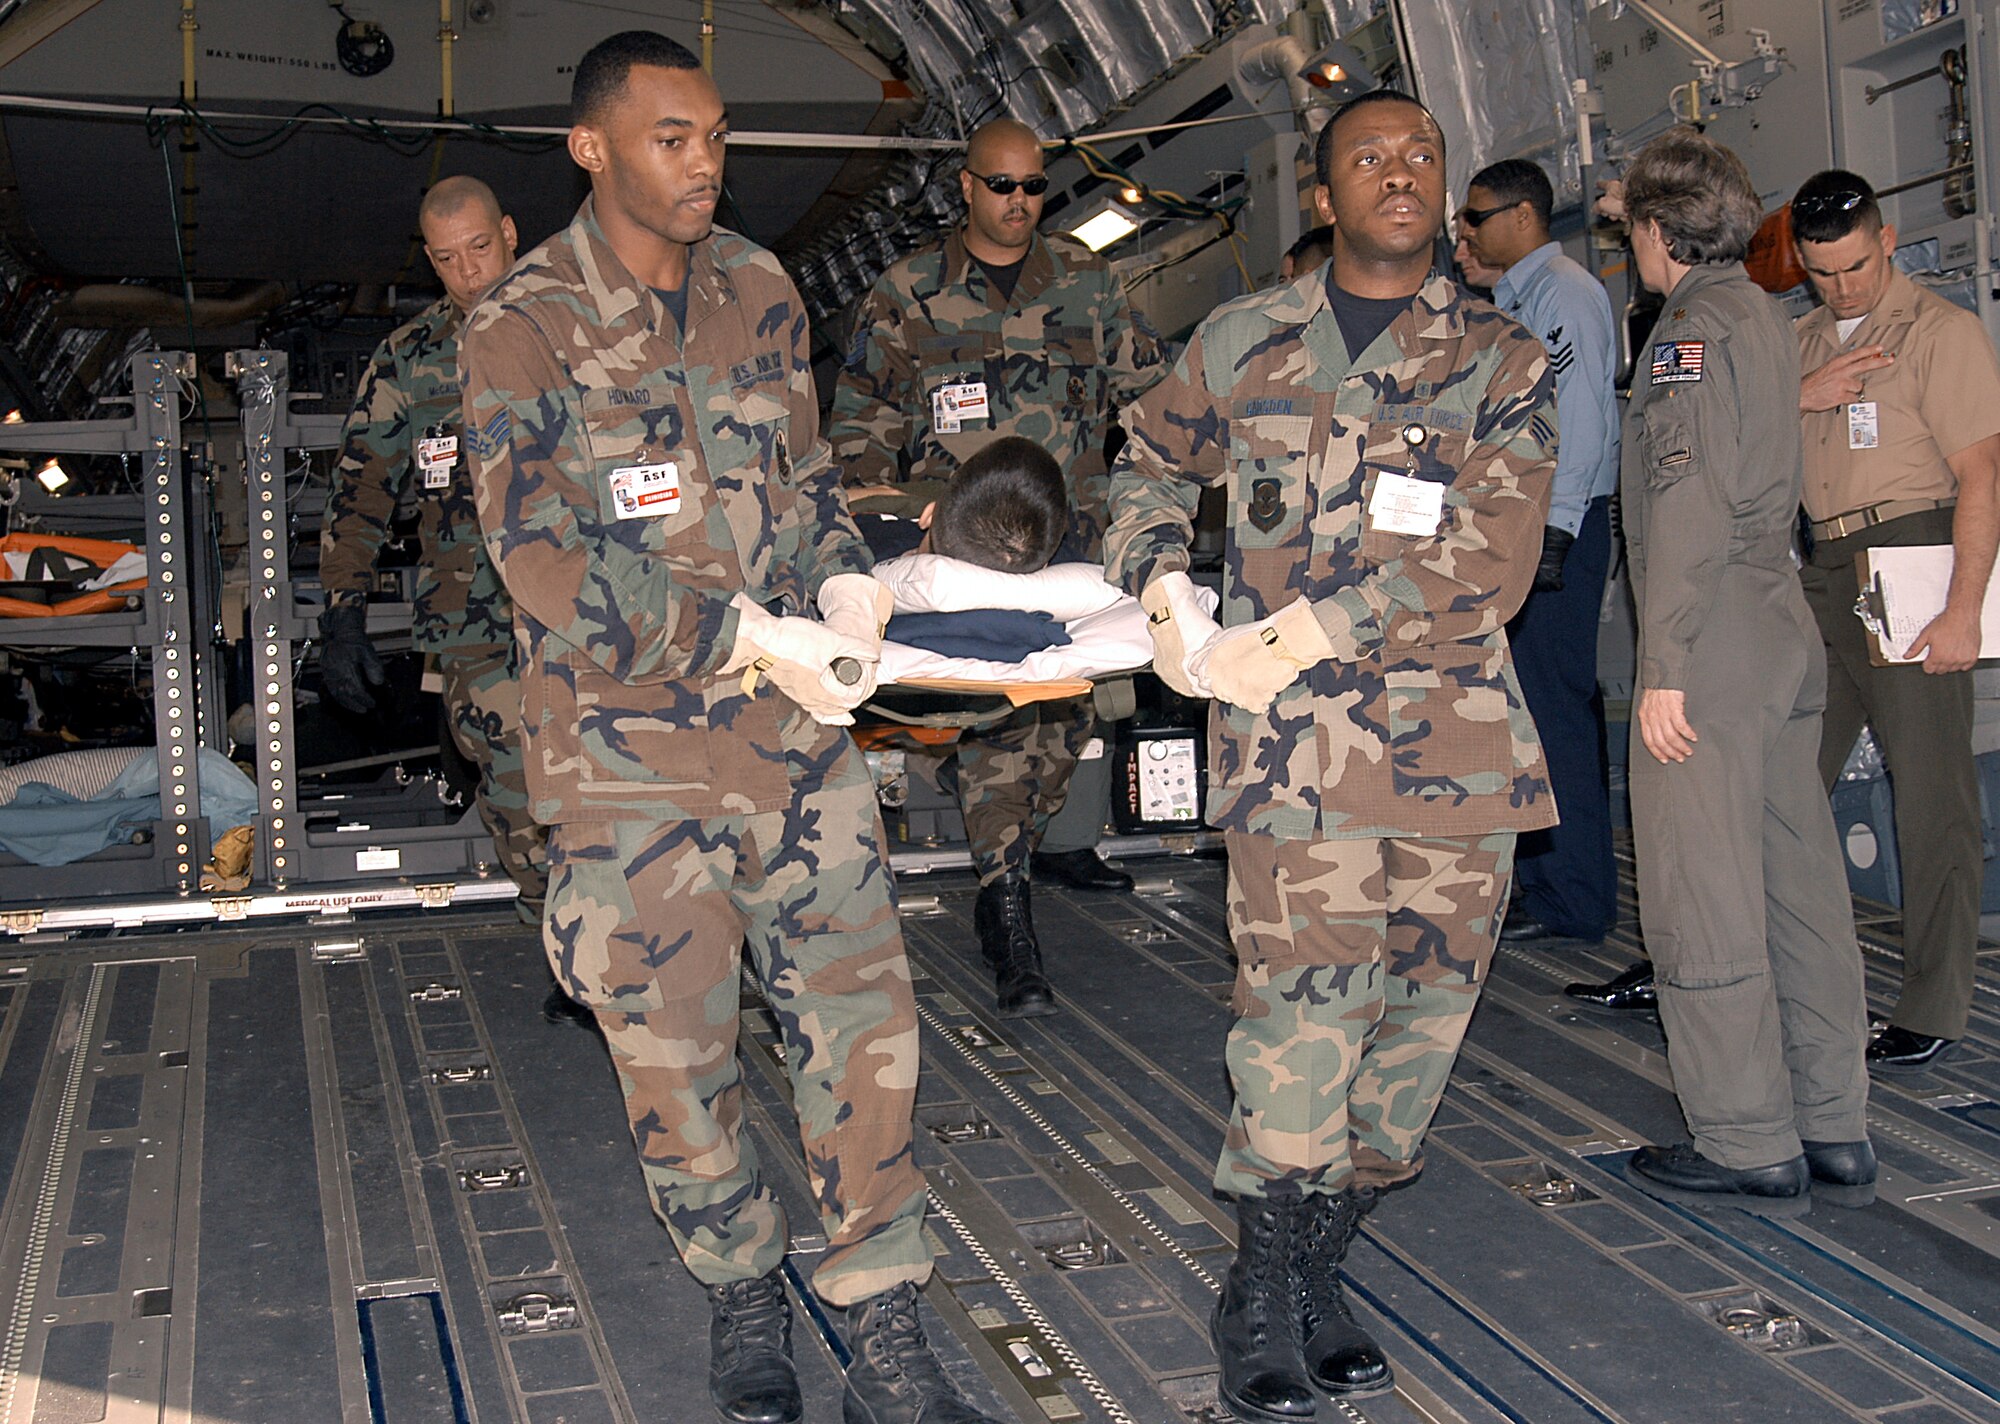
{"x": 1902, "y": 446}
{"x": 1741, "y": 894}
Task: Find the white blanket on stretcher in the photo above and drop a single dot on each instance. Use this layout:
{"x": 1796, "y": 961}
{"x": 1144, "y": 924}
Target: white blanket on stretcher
{"x": 1107, "y": 628}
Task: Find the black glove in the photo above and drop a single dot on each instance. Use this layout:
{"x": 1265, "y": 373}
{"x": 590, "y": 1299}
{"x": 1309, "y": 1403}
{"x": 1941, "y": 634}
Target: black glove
{"x": 348, "y": 666}
{"x": 1555, "y": 548}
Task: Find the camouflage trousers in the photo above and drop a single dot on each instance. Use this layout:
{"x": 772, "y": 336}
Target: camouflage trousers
{"x": 482, "y": 698}
{"x": 646, "y": 924}
{"x": 1012, "y": 777}
{"x": 1358, "y": 966}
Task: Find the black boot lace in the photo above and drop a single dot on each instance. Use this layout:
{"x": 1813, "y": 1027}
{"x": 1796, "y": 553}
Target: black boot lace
{"x": 896, "y": 1347}
{"x": 752, "y": 1318}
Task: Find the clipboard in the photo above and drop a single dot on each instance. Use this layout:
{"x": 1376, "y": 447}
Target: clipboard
{"x": 1903, "y": 587}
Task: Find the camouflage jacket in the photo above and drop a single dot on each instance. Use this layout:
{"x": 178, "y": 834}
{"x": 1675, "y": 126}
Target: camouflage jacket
{"x": 1055, "y": 358}
{"x": 1416, "y": 727}
{"x": 411, "y": 389}
{"x": 1712, "y": 464}
{"x": 587, "y": 411}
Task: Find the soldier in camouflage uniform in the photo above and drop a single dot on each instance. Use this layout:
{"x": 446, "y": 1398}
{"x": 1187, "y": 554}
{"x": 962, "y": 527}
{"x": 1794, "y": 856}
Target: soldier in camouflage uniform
{"x": 1386, "y": 443}
{"x": 656, "y": 495}
{"x": 404, "y": 428}
{"x": 999, "y": 331}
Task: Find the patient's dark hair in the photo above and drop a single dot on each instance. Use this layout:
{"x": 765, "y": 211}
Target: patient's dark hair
{"x": 1005, "y": 508}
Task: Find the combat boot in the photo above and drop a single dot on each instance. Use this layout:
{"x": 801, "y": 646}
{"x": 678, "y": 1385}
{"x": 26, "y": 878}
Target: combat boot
{"x": 1339, "y": 1356}
{"x": 750, "y": 1372}
{"x": 895, "y": 1378}
{"x": 1006, "y": 926}
{"x": 1255, "y": 1326}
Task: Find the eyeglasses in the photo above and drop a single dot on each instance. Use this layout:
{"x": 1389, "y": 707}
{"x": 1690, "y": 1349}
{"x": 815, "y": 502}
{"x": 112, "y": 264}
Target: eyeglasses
{"x": 1000, "y": 185}
{"x": 1822, "y": 205}
{"x": 1473, "y": 217}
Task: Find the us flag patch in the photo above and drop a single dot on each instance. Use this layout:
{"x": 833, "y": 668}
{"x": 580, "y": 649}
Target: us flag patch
{"x": 1676, "y": 361}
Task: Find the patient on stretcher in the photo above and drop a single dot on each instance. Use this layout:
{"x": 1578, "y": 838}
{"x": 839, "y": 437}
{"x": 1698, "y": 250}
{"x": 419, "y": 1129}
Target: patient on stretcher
{"x": 977, "y": 596}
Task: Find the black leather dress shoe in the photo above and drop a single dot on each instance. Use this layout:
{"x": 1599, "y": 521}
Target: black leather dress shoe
{"x": 1900, "y": 1048}
{"x": 1681, "y": 1175}
{"x": 1079, "y": 869}
{"x": 1520, "y": 927}
{"x": 1843, "y": 1173}
{"x": 1631, "y": 992}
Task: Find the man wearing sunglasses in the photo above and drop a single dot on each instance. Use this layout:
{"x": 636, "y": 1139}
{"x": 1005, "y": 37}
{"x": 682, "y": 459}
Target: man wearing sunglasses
{"x": 1565, "y": 881}
{"x": 1901, "y": 406}
{"x": 998, "y": 331}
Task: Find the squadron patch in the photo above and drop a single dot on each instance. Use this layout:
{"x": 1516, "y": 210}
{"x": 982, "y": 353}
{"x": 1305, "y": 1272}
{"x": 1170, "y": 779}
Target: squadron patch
{"x": 1676, "y": 361}
{"x": 1267, "y": 508}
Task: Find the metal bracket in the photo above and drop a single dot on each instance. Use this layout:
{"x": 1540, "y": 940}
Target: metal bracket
{"x": 231, "y": 908}
{"x": 1767, "y": 1332}
{"x": 436, "y": 993}
{"x": 976, "y": 1129}
{"x": 493, "y": 1179}
{"x": 537, "y": 1313}
{"x": 1028, "y": 1358}
{"x": 458, "y": 1074}
{"x": 434, "y": 897}
{"x": 1077, "y": 1255}
{"x": 1545, "y": 1186}
{"x": 338, "y": 951}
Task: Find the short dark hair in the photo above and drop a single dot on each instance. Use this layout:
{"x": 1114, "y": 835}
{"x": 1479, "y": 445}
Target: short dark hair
{"x": 1830, "y": 205}
{"x": 1699, "y": 193}
{"x": 1315, "y": 240}
{"x": 1004, "y": 509}
{"x": 601, "y": 74}
{"x": 1323, "y": 150}
{"x": 1517, "y": 180}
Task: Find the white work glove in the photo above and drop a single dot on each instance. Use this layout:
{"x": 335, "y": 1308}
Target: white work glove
{"x": 857, "y": 606}
{"x": 1250, "y": 664}
{"x": 1180, "y": 630}
{"x": 799, "y": 657}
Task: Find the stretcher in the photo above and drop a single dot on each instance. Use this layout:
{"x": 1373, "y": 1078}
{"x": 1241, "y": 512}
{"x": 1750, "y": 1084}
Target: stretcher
{"x": 52, "y": 575}
{"x": 1106, "y": 628}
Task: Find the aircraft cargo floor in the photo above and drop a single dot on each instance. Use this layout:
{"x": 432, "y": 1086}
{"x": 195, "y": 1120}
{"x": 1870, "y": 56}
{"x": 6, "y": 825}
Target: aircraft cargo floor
{"x": 270, "y": 1176}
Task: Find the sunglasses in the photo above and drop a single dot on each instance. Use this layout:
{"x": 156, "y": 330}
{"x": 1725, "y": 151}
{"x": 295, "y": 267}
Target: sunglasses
{"x": 1820, "y": 205}
{"x": 1473, "y": 217}
{"x": 1000, "y": 185}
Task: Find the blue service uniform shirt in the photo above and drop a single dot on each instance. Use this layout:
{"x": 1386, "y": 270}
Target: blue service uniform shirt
{"x": 1567, "y": 310}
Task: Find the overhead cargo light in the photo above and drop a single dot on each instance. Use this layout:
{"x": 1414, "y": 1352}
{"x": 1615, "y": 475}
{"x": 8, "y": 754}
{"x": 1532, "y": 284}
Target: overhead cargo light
{"x": 1339, "y": 72}
{"x": 13, "y": 417}
{"x": 52, "y": 475}
{"x": 1107, "y": 225}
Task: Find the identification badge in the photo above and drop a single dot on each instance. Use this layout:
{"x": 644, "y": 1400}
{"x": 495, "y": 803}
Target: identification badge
{"x": 957, "y": 402}
{"x": 1402, "y": 505}
{"x": 646, "y": 491}
{"x": 436, "y": 454}
{"x": 1864, "y": 428}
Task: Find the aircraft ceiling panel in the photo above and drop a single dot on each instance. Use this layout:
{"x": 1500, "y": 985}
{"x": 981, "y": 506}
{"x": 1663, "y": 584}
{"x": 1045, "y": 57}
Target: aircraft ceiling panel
{"x": 327, "y": 206}
{"x": 284, "y": 52}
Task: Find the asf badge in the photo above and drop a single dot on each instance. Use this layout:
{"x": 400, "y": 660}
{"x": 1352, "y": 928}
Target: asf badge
{"x": 1267, "y": 510}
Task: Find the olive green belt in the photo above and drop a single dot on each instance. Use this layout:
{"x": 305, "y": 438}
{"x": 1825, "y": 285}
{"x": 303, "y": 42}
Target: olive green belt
{"x": 1856, "y": 520}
